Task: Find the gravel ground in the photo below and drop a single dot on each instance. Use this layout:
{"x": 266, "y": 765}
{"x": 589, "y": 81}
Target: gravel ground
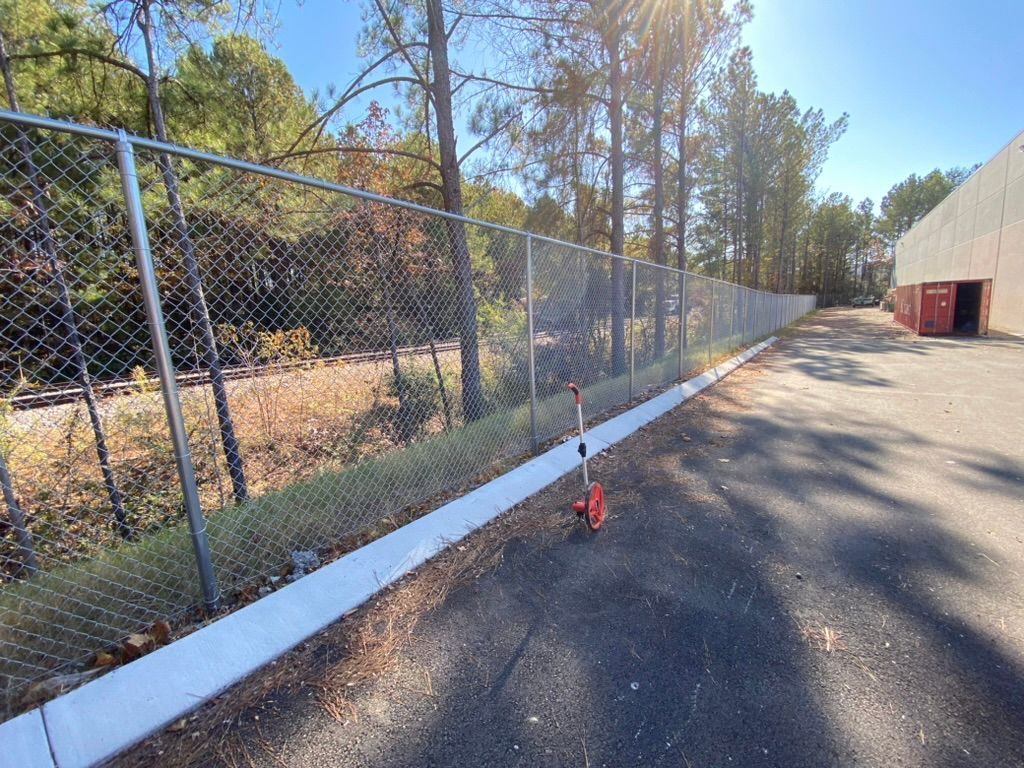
{"x": 820, "y": 562}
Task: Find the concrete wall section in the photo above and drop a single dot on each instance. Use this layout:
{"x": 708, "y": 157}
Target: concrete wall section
{"x": 976, "y": 233}
{"x": 1008, "y": 286}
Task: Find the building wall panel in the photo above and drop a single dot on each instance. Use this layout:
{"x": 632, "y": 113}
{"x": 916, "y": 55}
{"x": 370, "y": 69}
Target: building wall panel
{"x": 1007, "y": 313}
{"x": 975, "y": 234}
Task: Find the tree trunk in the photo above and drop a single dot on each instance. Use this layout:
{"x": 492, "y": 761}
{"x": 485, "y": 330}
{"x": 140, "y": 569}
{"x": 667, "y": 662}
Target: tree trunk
{"x": 442, "y": 388}
{"x": 659, "y": 192}
{"x": 577, "y": 180}
{"x": 791, "y": 271}
{"x": 780, "y": 266}
{"x": 682, "y": 199}
{"x": 740, "y": 212}
{"x": 43, "y": 236}
{"x": 26, "y": 549}
{"x": 199, "y": 313}
{"x": 612, "y": 43}
{"x": 451, "y": 191}
{"x": 405, "y": 419}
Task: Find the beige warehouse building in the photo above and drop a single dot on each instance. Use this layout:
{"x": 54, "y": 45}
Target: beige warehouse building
{"x": 974, "y": 240}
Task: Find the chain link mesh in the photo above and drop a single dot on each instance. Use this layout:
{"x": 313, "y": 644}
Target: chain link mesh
{"x": 92, "y": 549}
{"x": 337, "y": 364}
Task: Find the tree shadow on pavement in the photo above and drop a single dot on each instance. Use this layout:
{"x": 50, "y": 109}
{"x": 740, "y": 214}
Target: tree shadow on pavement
{"x": 849, "y": 521}
{"x": 688, "y": 631}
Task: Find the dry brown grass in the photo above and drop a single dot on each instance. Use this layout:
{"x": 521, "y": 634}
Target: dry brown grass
{"x": 290, "y": 425}
{"x": 823, "y": 638}
{"x": 831, "y": 641}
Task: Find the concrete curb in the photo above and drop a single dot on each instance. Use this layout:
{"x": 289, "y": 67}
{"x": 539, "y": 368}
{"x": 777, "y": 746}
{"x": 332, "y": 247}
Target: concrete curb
{"x": 25, "y": 743}
{"x": 76, "y": 730}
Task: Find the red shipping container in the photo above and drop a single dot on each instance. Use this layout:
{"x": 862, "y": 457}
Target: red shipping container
{"x": 908, "y": 306}
{"x": 929, "y": 308}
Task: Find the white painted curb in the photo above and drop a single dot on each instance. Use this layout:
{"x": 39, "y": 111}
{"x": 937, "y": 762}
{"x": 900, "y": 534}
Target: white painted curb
{"x": 24, "y": 742}
{"x": 94, "y": 723}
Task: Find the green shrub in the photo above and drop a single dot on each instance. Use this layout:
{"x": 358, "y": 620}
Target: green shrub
{"x": 419, "y": 400}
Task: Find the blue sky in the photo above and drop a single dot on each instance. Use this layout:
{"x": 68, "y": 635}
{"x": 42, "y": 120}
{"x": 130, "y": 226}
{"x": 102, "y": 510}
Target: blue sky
{"x": 927, "y": 83}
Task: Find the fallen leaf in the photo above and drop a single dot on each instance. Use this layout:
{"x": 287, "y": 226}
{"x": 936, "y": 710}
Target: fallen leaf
{"x": 136, "y": 645}
{"x": 141, "y": 643}
{"x": 161, "y": 632}
{"x": 248, "y": 594}
{"x": 178, "y": 725}
{"x": 104, "y": 659}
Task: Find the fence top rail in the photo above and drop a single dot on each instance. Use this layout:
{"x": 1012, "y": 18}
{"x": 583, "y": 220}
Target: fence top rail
{"x": 106, "y": 134}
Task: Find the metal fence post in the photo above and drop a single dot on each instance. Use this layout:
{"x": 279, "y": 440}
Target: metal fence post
{"x": 534, "y": 439}
{"x": 632, "y": 325}
{"x": 732, "y": 317}
{"x": 682, "y": 324}
{"x": 746, "y": 313}
{"x": 165, "y": 369}
{"x": 711, "y": 325}
{"x": 757, "y": 314}
{"x": 752, "y": 315}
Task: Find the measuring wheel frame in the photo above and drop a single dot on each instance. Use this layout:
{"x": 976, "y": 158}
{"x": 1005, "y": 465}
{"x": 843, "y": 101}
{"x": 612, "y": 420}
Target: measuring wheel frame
{"x": 592, "y": 507}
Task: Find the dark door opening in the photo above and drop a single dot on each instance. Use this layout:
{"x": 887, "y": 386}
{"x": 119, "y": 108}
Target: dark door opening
{"x": 968, "y": 308}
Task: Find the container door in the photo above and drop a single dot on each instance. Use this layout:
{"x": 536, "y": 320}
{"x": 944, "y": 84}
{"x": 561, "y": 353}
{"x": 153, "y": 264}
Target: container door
{"x": 986, "y": 299}
{"x": 908, "y": 306}
{"x": 946, "y": 309}
{"x": 937, "y": 308}
{"x": 917, "y": 300}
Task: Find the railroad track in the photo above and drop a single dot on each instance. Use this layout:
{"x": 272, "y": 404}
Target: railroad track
{"x": 71, "y": 393}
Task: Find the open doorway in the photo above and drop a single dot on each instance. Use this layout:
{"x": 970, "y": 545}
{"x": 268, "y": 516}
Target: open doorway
{"x": 967, "y": 311}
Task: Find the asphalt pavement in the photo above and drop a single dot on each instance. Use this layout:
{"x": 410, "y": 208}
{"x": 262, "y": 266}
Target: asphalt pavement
{"x": 820, "y": 562}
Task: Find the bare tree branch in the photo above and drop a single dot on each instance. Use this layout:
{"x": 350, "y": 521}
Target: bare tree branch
{"x": 355, "y": 150}
{"x": 489, "y": 136}
{"x": 402, "y": 47}
{"x": 95, "y": 55}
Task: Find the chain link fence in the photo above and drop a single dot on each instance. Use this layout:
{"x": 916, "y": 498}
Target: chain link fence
{"x": 207, "y": 366}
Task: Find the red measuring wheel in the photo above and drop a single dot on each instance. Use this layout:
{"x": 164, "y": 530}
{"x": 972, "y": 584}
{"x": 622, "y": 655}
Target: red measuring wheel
{"x": 591, "y": 509}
